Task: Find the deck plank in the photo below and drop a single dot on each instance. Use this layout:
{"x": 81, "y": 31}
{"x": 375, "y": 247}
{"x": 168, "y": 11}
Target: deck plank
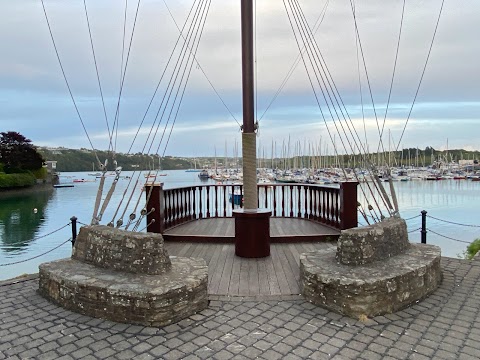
{"x": 274, "y": 286}
{"x": 234, "y": 285}
{"x": 218, "y": 272}
{"x": 279, "y": 272}
{"x": 253, "y": 284}
{"x": 289, "y": 274}
{"x": 243, "y": 283}
{"x": 264, "y": 288}
{"x": 225, "y": 279}
{"x": 295, "y": 268}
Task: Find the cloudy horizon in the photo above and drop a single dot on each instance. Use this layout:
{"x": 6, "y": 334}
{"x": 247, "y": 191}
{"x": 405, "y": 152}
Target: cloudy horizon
{"x": 35, "y": 101}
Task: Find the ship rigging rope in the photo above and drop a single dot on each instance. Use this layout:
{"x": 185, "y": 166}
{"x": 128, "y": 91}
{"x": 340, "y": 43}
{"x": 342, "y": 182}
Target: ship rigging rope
{"x": 117, "y": 111}
{"x": 179, "y": 67}
{"x": 202, "y": 70}
{"x": 360, "y": 90}
{"x": 97, "y": 73}
{"x": 421, "y": 77}
{"x": 341, "y": 105}
{"x": 199, "y": 33}
{"x": 366, "y": 75}
{"x": 309, "y": 50}
{"x": 297, "y": 60}
{"x": 394, "y": 70}
{"x": 97, "y": 217}
{"x": 66, "y": 81}
{"x": 189, "y": 32}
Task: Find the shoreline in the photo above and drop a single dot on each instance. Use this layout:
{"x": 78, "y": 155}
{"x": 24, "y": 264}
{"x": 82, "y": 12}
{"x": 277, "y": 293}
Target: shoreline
{"x": 26, "y": 190}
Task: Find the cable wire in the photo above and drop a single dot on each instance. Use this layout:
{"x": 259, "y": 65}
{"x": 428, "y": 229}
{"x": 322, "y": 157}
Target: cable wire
{"x": 449, "y": 238}
{"x": 452, "y": 222}
{"x": 421, "y": 77}
{"x": 38, "y": 237}
{"x": 37, "y": 256}
{"x": 66, "y": 81}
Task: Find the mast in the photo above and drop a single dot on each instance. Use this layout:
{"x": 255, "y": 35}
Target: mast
{"x": 249, "y": 147}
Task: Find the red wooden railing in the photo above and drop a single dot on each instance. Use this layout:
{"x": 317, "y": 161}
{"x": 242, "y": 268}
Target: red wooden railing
{"x": 335, "y": 206}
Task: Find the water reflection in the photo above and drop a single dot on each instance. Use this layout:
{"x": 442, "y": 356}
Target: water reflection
{"x": 20, "y": 218}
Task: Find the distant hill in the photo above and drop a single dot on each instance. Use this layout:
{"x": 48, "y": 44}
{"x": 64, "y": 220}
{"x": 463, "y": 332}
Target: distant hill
{"x": 84, "y": 160}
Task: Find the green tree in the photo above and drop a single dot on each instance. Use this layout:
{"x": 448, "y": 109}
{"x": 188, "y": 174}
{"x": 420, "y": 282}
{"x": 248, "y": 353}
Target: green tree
{"x": 18, "y": 154}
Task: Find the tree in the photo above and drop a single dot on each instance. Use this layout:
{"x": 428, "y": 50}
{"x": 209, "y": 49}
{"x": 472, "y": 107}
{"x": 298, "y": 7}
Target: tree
{"x": 18, "y": 154}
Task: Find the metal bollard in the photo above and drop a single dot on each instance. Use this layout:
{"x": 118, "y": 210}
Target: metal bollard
{"x": 73, "y": 219}
{"x": 423, "y": 232}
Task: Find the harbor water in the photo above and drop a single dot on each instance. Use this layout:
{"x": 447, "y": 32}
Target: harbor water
{"x": 28, "y": 219}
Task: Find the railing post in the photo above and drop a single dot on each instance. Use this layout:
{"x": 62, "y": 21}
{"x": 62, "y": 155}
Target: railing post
{"x": 155, "y": 208}
{"x": 423, "y": 232}
{"x": 73, "y": 219}
{"x": 348, "y": 205}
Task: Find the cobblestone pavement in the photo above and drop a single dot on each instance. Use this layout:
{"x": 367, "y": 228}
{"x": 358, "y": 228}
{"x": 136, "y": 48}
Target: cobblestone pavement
{"x": 444, "y": 326}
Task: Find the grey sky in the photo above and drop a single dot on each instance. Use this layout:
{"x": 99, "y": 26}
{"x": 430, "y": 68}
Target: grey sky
{"x": 34, "y": 99}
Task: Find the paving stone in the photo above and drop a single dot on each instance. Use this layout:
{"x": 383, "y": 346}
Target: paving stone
{"x": 43, "y": 331}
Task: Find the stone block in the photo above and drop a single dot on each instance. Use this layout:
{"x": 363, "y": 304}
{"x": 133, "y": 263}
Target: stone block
{"x": 150, "y": 300}
{"x": 363, "y": 245}
{"x": 111, "y": 248}
{"x": 371, "y": 289}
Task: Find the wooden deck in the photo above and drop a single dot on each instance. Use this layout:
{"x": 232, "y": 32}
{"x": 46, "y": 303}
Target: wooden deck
{"x": 230, "y": 275}
{"x": 223, "y": 230}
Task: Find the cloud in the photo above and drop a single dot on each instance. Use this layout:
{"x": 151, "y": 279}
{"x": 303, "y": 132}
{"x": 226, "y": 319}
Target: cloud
{"x": 35, "y": 99}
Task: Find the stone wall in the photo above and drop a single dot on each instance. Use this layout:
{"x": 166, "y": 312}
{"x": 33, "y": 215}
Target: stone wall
{"x": 373, "y": 289}
{"x": 149, "y": 300}
{"x": 367, "y": 244}
{"x": 111, "y": 248}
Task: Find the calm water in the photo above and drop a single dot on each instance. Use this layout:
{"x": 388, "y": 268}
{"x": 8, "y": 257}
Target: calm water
{"x": 22, "y": 228}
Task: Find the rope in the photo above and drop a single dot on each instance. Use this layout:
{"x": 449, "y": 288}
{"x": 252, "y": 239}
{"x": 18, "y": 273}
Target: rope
{"x": 37, "y": 256}
{"x": 413, "y": 217}
{"x": 394, "y": 69}
{"x": 66, "y": 82}
{"x": 315, "y": 52}
{"x": 97, "y": 72}
{"x": 452, "y": 222}
{"x": 39, "y": 237}
{"x": 249, "y": 170}
{"x": 415, "y": 230}
{"x": 421, "y": 77}
{"x": 316, "y": 27}
{"x": 447, "y": 237}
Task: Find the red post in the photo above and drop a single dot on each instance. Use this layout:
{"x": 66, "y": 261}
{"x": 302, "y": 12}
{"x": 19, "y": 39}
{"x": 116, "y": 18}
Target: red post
{"x": 156, "y": 201}
{"x": 348, "y": 205}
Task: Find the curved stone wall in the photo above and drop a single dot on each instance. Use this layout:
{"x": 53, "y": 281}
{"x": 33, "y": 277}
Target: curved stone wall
{"x": 372, "y": 289}
{"x": 150, "y": 300}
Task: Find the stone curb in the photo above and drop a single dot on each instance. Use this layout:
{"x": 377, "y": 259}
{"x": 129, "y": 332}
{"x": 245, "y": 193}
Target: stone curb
{"x": 19, "y": 279}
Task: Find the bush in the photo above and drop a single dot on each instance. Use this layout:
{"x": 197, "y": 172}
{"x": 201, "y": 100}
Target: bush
{"x": 472, "y": 249}
{"x": 8, "y": 181}
{"x": 40, "y": 173}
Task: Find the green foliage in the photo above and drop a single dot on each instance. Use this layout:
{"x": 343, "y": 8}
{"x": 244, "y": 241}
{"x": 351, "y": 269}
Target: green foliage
{"x": 8, "y": 181}
{"x": 1, "y": 168}
{"x": 40, "y": 173}
{"x": 84, "y": 160}
{"x": 18, "y": 154}
{"x": 472, "y": 249}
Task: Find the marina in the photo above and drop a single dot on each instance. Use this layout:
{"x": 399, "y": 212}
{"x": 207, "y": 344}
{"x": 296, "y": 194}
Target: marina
{"x": 20, "y": 228}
